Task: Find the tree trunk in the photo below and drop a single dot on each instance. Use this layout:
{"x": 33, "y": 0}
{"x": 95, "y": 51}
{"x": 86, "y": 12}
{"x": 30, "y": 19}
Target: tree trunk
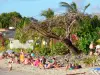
{"x": 71, "y": 47}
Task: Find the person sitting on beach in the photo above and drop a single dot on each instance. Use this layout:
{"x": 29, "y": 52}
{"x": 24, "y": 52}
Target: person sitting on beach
{"x": 13, "y": 54}
{"x": 91, "y": 53}
{"x": 92, "y": 48}
{"x": 32, "y": 54}
{"x": 26, "y": 61}
{"x": 6, "y": 55}
{"x": 70, "y": 67}
{"x": 48, "y": 65}
{"x": 54, "y": 63}
{"x": 77, "y": 66}
{"x": 22, "y": 57}
{"x": 17, "y": 60}
{"x": 37, "y": 62}
{"x": 98, "y": 51}
{"x": 42, "y": 62}
{"x": 51, "y": 64}
{"x": 73, "y": 66}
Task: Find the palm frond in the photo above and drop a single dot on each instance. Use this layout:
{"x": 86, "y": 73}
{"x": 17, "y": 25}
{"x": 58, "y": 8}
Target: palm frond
{"x": 68, "y": 6}
{"x": 74, "y": 6}
{"x": 44, "y": 13}
{"x": 48, "y": 13}
{"x": 86, "y": 7}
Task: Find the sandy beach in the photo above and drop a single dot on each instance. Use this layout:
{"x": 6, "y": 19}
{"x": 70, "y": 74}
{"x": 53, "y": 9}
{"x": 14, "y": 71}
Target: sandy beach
{"x": 6, "y": 72}
{"x": 19, "y": 69}
{"x": 30, "y": 70}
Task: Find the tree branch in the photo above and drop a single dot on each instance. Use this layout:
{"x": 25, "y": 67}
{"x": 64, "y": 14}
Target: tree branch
{"x": 36, "y": 26}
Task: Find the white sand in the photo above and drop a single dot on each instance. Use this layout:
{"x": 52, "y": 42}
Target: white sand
{"x": 19, "y": 69}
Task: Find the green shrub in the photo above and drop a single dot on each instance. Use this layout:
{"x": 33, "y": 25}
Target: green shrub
{"x": 60, "y": 49}
{"x": 85, "y": 40}
{"x": 28, "y": 50}
{"x": 45, "y": 51}
{"x": 16, "y": 50}
{"x": 88, "y": 61}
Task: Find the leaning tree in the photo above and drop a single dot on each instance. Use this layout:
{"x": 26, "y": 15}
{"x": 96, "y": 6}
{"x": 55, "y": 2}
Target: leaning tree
{"x": 65, "y": 23}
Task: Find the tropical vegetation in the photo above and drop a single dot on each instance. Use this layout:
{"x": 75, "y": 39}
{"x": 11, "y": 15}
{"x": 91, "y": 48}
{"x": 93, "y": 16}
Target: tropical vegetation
{"x": 73, "y": 30}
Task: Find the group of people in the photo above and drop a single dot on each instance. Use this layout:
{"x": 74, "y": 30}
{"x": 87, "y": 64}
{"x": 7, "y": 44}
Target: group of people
{"x": 94, "y": 49}
{"x": 29, "y": 59}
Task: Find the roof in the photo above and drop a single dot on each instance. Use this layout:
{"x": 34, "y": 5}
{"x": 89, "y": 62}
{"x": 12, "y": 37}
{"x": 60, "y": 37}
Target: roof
{"x": 7, "y": 33}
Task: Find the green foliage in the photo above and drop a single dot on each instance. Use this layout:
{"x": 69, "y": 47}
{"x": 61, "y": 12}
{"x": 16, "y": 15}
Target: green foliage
{"x": 21, "y": 36}
{"x": 73, "y": 7}
{"x": 86, "y": 7}
{"x": 4, "y": 20}
{"x": 24, "y": 22}
{"x": 85, "y": 40}
{"x": 45, "y": 51}
{"x": 60, "y": 49}
{"x": 87, "y": 33}
{"x": 28, "y": 50}
{"x": 17, "y": 50}
{"x": 23, "y": 40}
{"x": 95, "y": 22}
{"x": 88, "y": 61}
{"x": 14, "y": 14}
{"x": 48, "y": 13}
{"x": 7, "y": 41}
{"x": 58, "y": 31}
{"x": 9, "y": 19}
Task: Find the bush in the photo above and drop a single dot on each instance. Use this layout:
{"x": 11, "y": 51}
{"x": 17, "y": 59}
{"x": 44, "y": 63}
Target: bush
{"x": 60, "y": 49}
{"x": 45, "y": 51}
{"x": 85, "y": 40}
{"x": 6, "y": 43}
{"x": 28, "y": 50}
{"x": 16, "y": 50}
{"x": 2, "y": 48}
{"x": 88, "y": 61}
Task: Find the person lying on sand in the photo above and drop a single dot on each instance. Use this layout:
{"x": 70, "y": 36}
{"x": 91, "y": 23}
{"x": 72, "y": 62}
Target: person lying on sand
{"x": 52, "y": 64}
{"x": 73, "y": 66}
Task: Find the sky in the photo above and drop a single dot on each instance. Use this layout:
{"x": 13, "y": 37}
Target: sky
{"x": 33, "y": 8}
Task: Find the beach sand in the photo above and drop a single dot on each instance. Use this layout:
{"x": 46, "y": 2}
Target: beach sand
{"x": 19, "y": 69}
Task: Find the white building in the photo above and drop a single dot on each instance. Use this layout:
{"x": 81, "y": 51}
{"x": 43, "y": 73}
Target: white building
{"x": 17, "y": 44}
{"x": 10, "y": 33}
